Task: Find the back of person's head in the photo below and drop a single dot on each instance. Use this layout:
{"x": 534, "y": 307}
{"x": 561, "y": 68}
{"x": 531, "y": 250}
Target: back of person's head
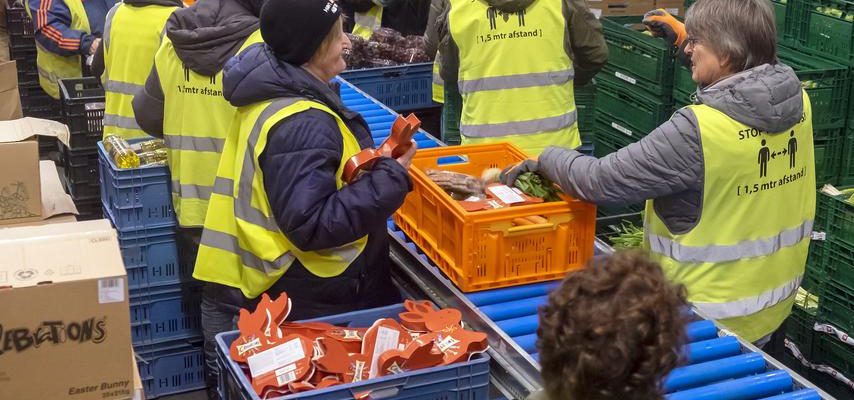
{"x": 743, "y": 32}
{"x": 611, "y": 331}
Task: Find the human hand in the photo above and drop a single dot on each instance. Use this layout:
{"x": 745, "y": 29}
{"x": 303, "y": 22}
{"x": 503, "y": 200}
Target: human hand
{"x": 508, "y": 175}
{"x": 94, "y": 46}
{"x": 664, "y": 25}
{"x": 406, "y": 159}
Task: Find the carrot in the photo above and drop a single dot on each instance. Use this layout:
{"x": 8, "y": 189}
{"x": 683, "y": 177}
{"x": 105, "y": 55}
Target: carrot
{"x": 521, "y": 221}
{"x": 537, "y": 219}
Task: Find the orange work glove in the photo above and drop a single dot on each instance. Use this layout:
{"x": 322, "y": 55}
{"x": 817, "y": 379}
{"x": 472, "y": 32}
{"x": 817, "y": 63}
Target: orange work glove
{"x": 664, "y": 25}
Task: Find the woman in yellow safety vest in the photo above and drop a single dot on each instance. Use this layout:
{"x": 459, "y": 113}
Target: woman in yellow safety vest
{"x": 729, "y": 182}
{"x": 280, "y": 218}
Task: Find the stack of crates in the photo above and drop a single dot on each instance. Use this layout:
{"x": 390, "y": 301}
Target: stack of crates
{"x": 827, "y": 84}
{"x": 585, "y": 98}
{"x": 830, "y": 280}
{"x": 82, "y": 102}
{"x": 22, "y": 48}
{"x": 164, "y": 298}
{"x": 634, "y": 90}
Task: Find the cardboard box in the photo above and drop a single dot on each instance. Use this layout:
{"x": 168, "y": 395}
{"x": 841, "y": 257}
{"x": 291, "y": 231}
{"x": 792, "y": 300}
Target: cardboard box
{"x": 57, "y": 206}
{"x": 64, "y": 325}
{"x": 610, "y": 8}
{"x": 20, "y": 181}
{"x": 674, "y": 7}
{"x": 10, "y": 98}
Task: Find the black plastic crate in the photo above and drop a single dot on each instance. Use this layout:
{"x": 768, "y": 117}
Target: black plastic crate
{"x": 82, "y": 106}
{"x": 82, "y": 190}
{"x": 81, "y": 166}
{"x": 89, "y": 209}
{"x": 18, "y": 23}
{"x": 25, "y": 63}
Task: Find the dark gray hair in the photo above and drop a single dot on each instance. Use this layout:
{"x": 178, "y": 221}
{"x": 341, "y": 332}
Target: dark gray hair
{"x": 742, "y": 31}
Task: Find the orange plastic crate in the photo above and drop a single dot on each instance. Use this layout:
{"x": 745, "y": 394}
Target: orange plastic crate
{"x": 483, "y": 250}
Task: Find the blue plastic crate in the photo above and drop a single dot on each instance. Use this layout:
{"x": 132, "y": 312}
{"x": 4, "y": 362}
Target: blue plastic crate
{"x": 401, "y": 87}
{"x": 151, "y": 258}
{"x": 468, "y": 380}
{"x": 165, "y": 313}
{"x": 135, "y": 198}
{"x": 171, "y": 368}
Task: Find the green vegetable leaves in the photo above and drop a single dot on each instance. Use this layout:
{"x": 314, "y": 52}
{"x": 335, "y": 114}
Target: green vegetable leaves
{"x": 630, "y": 237}
{"x": 535, "y": 185}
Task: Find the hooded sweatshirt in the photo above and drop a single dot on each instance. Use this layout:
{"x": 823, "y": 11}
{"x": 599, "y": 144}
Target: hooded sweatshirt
{"x": 204, "y": 35}
{"x": 299, "y": 166}
{"x": 584, "y": 41}
{"x": 667, "y": 165}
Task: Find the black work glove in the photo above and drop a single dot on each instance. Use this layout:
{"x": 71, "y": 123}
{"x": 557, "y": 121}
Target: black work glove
{"x": 508, "y": 175}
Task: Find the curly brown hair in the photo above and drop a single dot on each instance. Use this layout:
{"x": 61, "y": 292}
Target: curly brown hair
{"x": 611, "y": 331}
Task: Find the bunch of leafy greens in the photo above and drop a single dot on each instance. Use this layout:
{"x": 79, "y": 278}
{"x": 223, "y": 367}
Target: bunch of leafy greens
{"x": 535, "y": 185}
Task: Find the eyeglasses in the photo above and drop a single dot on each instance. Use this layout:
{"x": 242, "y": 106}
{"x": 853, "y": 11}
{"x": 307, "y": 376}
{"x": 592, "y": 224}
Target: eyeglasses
{"x": 692, "y": 41}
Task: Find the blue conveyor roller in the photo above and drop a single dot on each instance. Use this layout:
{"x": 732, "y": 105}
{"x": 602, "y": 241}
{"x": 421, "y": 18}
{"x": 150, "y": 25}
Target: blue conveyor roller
{"x": 513, "y": 309}
{"x": 803, "y": 394}
{"x": 751, "y": 387}
{"x": 692, "y": 376}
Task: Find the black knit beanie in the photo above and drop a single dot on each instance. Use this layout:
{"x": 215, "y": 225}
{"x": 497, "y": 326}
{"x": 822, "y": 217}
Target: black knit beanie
{"x": 294, "y": 29}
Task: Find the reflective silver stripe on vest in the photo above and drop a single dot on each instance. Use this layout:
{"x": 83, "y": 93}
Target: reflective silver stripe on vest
{"x": 122, "y": 87}
{"x": 229, "y": 243}
{"x": 516, "y": 81}
{"x": 191, "y": 143}
{"x": 109, "y": 23}
{"x": 750, "y": 305}
{"x": 519, "y": 127}
{"x": 224, "y": 186}
{"x": 243, "y": 202}
{"x": 187, "y": 191}
{"x": 437, "y": 79}
{"x": 722, "y": 253}
{"x": 120, "y": 121}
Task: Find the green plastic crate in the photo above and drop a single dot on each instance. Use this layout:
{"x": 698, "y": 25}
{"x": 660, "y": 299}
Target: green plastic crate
{"x": 846, "y": 167}
{"x": 682, "y": 81}
{"x": 637, "y": 112}
{"x": 827, "y": 84}
{"x": 827, "y": 27}
{"x": 838, "y": 267}
{"x": 814, "y": 276}
{"x": 637, "y": 59}
{"x": 827, "y": 151}
{"x": 837, "y": 217}
{"x": 608, "y": 139}
{"x": 830, "y": 351}
{"x": 799, "y": 330}
{"x": 836, "y": 305}
{"x": 585, "y": 106}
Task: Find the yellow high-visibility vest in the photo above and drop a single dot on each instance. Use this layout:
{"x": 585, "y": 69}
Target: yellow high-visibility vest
{"x": 131, "y": 38}
{"x": 195, "y": 124}
{"x": 744, "y": 260}
{"x": 242, "y": 246}
{"x": 515, "y": 77}
{"x": 53, "y": 67}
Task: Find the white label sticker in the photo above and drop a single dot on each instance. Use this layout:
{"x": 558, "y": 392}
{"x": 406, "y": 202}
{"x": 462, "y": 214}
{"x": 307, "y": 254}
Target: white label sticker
{"x": 277, "y": 357}
{"x": 626, "y": 78}
{"x": 672, "y": 11}
{"x": 111, "y": 290}
{"x": 621, "y": 128}
{"x": 387, "y": 339}
{"x": 286, "y": 374}
{"x": 358, "y": 370}
{"x": 506, "y": 194}
{"x": 818, "y": 236}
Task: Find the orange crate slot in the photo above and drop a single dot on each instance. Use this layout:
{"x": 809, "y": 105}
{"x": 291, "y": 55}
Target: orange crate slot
{"x": 483, "y": 250}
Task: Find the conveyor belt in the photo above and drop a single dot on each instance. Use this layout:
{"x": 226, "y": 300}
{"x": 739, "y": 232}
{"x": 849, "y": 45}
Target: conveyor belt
{"x": 717, "y": 367}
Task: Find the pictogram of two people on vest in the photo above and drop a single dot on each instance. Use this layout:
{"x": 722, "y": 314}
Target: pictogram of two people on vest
{"x": 493, "y": 13}
{"x": 766, "y": 155}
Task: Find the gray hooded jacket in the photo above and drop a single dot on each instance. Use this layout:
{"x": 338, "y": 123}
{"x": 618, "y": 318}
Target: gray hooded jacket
{"x": 667, "y": 165}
